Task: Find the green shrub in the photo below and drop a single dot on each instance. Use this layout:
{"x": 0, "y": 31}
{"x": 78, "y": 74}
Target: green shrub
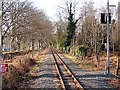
{"x": 103, "y": 47}
{"x": 85, "y": 51}
{"x": 81, "y": 50}
{"x": 68, "y": 48}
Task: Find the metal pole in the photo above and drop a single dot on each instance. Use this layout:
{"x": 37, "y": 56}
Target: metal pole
{"x": 1, "y": 3}
{"x": 108, "y": 44}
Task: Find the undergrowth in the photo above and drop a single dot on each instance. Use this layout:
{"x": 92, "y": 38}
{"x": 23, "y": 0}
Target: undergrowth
{"x": 81, "y": 64}
{"x": 17, "y": 74}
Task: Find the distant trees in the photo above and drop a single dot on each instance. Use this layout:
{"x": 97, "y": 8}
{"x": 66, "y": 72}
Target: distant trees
{"x": 90, "y": 33}
{"x": 25, "y": 27}
{"x": 60, "y": 34}
{"x": 86, "y": 33}
{"x": 118, "y": 40}
{"x": 118, "y": 28}
{"x": 69, "y": 16}
{"x": 71, "y": 27}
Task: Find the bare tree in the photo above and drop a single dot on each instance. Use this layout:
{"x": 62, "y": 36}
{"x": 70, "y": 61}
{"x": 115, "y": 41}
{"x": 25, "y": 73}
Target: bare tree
{"x": 25, "y": 26}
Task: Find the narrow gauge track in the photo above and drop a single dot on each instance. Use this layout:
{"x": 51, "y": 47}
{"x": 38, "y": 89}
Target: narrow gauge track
{"x": 66, "y": 77}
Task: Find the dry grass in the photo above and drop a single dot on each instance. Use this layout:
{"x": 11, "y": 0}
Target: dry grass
{"x": 116, "y": 83}
{"x": 35, "y": 69}
{"x": 17, "y": 74}
{"x": 20, "y": 70}
{"x": 86, "y": 64}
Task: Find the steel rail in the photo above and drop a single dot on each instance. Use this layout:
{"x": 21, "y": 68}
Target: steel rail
{"x": 78, "y": 86}
{"x": 58, "y": 71}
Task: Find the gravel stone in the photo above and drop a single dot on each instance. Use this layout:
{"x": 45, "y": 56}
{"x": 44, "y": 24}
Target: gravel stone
{"x": 90, "y": 80}
{"x": 46, "y": 77}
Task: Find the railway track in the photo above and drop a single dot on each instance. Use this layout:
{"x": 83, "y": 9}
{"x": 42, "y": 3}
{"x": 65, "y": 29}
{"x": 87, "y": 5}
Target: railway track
{"x": 67, "y": 80}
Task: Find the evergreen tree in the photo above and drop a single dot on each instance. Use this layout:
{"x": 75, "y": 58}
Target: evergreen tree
{"x": 70, "y": 28}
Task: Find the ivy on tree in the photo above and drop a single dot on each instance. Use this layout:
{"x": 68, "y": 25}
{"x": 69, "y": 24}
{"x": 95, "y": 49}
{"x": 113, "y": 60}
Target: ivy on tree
{"x": 70, "y": 28}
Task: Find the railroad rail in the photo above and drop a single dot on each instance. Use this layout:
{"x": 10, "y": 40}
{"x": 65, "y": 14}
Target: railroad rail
{"x": 67, "y": 79}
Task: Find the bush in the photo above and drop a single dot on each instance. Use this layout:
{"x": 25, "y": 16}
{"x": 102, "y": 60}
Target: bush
{"x": 73, "y": 50}
{"x": 29, "y": 61}
{"x": 85, "y": 51}
{"x": 12, "y": 78}
{"x": 26, "y": 63}
{"x": 68, "y": 48}
{"x": 17, "y": 74}
{"x": 103, "y": 47}
{"x": 81, "y": 50}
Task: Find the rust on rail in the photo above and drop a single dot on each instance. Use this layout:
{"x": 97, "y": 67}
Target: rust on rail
{"x": 64, "y": 81}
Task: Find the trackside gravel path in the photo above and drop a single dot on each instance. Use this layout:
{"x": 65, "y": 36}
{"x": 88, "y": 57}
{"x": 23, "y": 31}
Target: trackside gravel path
{"x": 47, "y": 78}
{"x": 90, "y": 80}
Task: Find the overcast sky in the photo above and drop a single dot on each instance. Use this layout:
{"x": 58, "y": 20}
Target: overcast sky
{"x": 50, "y": 6}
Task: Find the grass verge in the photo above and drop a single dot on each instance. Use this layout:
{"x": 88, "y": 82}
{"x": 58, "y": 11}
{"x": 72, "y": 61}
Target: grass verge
{"x": 85, "y": 65}
{"x": 35, "y": 69}
{"x": 82, "y": 64}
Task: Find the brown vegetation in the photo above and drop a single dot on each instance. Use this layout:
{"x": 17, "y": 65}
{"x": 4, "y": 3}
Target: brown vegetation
{"x": 88, "y": 65}
{"x": 17, "y": 73}
{"x": 21, "y": 69}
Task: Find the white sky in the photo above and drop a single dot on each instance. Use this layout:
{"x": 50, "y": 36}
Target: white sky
{"x": 50, "y": 6}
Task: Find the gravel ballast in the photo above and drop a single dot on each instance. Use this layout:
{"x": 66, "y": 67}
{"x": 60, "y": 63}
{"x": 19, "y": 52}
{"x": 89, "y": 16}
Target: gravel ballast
{"x": 46, "y": 76}
{"x": 90, "y": 80}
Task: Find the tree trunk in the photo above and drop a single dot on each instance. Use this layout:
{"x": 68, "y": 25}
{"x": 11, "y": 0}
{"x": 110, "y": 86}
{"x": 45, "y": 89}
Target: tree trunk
{"x": 33, "y": 44}
{"x": 98, "y": 59}
{"x": 23, "y": 45}
{"x": 18, "y": 45}
{"x": 97, "y": 48}
{"x": 33, "y": 40}
{"x": 13, "y": 46}
{"x": 92, "y": 60}
{"x": 39, "y": 44}
{"x": 118, "y": 66}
